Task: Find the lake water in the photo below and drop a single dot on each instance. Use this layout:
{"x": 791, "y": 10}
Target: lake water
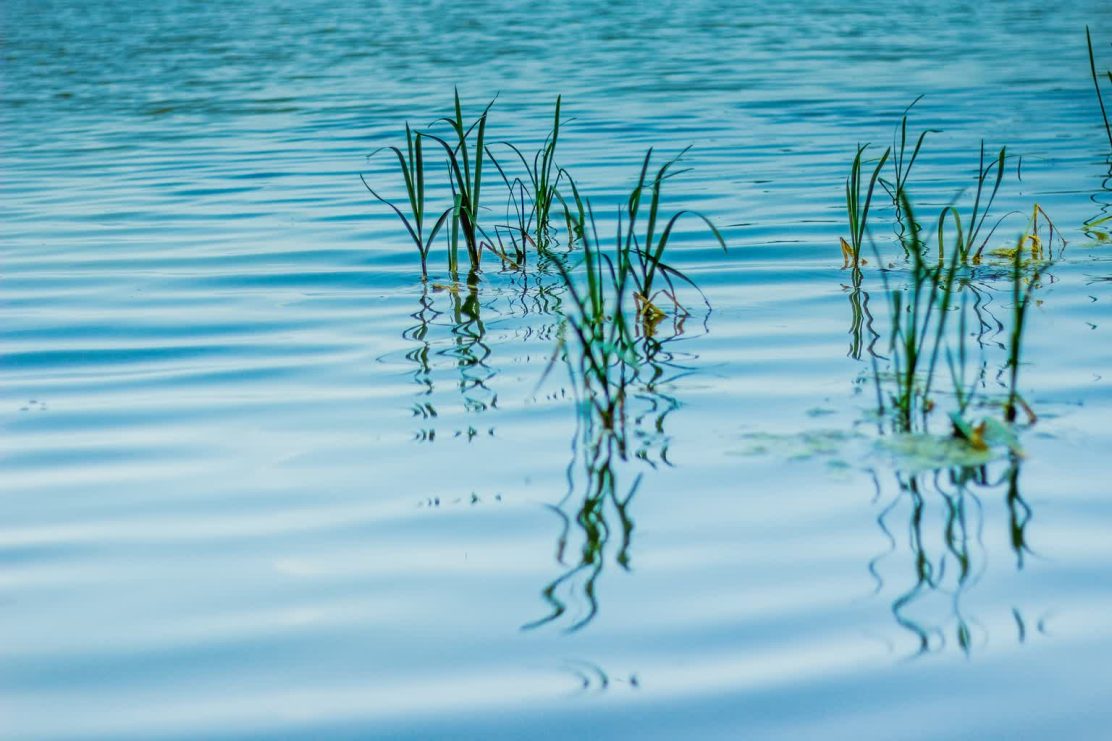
{"x": 258, "y": 480}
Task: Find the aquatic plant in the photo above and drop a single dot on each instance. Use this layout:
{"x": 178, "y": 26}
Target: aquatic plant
{"x": 595, "y": 512}
{"x": 858, "y": 209}
{"x": 903, "y": 156}
{"x": 902, "y": 162}
{"x": 605, "y": 346}
{"x": 531, "y": 199}
{"x": 643, "y": 256}
{"x": 977, "y": 216}
{"x": 931, "y": 280}
{"x": 918, "y": 322}
{"x": 968, "y": 242}
{"x": 533, "y": 196}
{"x": 638, "y": 256}
{"x": 1096, "y": 85}
{"x": 466, "y": 183}
{"x": 920, "y": 331}
{"x": 604, "y": 333}
{"x": 412, "y": 166}
{"x": 464, "y": 162}
{"x": 614, "y": 361}
{"x": 1099, "y": 227}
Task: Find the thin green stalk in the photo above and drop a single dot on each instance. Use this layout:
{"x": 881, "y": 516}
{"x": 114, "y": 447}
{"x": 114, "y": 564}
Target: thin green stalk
{"x": 901, "y": 163}
{"x": 1096, "y": 85}
{"x": 856, "y": 209}
{"x": 976, "y": 224}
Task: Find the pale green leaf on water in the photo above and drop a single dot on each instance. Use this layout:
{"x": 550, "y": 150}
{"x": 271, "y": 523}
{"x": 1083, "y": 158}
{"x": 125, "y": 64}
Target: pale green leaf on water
{"x": 920, "y": 452}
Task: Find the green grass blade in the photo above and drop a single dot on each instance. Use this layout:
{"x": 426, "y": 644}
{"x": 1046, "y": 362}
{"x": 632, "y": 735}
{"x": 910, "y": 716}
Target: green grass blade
{"x": 1096, "y": 85}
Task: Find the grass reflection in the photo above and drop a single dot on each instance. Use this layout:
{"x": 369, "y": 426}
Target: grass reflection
{"x": 596, "y": 509}
{"x": 464, "y": 349}
{"x": 944, "y": 554}
{"x": 596, "y": 521}
{"x": 621, "y": 367}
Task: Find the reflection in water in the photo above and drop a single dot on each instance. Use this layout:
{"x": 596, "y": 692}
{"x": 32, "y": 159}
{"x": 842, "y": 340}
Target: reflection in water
{"x": 590, "y": 677}
{"x": 465, "y": 348}
{"x": 598, "y": 507}
{"x": 419, "y": 356}
{"x": 469, "y": 350}
{"x": 540, "y": 291}
{"x": 862, "y": 318}
{"x": 595, "y": 511}
{"x": 1099, "y": 226}
{"x": 948, "y": 558}
{"x": 973, "y": 284}
{"x": 939, "y": 484}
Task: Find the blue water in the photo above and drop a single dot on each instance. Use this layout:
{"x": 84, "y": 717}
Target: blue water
{"x": 257, "y": 480}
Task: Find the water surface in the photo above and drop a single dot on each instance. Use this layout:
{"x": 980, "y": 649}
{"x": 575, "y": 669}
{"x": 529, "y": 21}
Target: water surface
{"x": 258, "y": 480}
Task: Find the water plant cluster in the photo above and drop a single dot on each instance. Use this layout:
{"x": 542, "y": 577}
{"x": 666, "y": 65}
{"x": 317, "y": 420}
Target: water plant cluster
{"x": 611, "y": 297}
{"x": 617, "y": 295}
{"x": 939, "y": 349}
{"x": 934, "y": 351}
{"x": 940, "y": 271}
{"x": 619, "y": 370}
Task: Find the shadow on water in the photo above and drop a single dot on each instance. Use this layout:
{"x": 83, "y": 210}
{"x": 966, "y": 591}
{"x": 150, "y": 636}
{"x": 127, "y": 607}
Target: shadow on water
{"x": 944, "y": 549}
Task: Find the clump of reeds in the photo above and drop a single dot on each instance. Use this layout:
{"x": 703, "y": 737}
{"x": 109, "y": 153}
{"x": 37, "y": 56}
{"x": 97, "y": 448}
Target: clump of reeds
{"x": 603, "y": 333}
{"x": 968, "y": 246}
{"x": 532, "y": 196}
{"x": 918, "y": 321}
{"x": 464, "y": 156}
{"x": 970, "y": 242}
{"x": 921, "y": 331}
{"x": 936, "y": 276}
{"x": 465, "y": 166}
{"x": 613, "y": 361}
{"x": 600, "y": 321}
{"x": 642, "y": 255}
{"x": 535, "y": 199}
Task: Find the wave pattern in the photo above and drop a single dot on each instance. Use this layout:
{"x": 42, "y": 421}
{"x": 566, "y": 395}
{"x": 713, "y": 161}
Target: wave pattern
{"x": 257, "y": 480}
